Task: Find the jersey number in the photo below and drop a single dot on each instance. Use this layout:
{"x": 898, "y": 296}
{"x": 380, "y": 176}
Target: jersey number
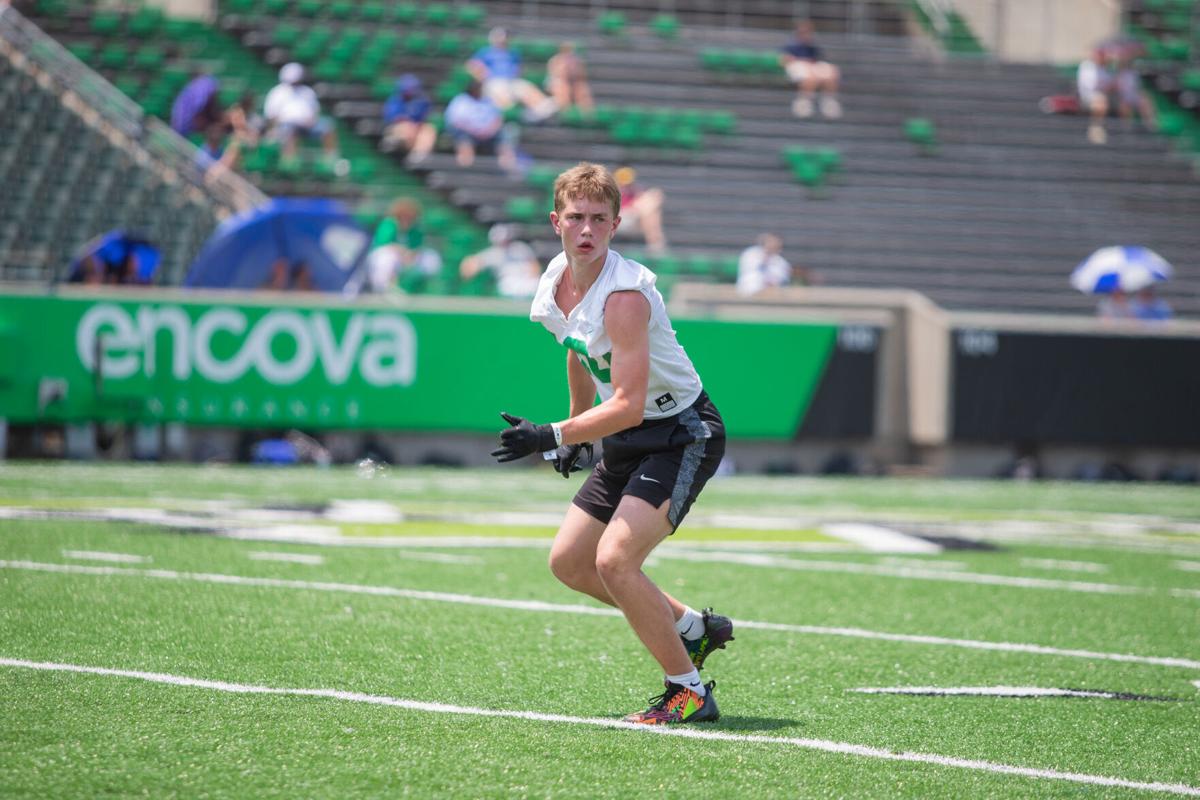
{"x": 601, "y": 368}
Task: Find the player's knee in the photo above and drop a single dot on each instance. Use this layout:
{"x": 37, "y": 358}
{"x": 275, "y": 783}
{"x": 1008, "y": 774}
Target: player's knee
{"x": 568, "y": 568}
{"x": 612, "y": 564}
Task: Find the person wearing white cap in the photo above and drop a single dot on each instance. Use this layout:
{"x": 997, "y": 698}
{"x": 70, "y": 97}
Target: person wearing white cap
{"x": 292, "y": 109}
{"x": 512, "y": 261}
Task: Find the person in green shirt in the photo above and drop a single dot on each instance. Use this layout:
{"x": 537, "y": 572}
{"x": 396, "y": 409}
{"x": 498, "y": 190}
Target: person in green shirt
{"x": 399, "y": 259}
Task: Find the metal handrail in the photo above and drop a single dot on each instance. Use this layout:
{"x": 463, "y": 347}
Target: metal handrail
{"x": 228, "y": 190}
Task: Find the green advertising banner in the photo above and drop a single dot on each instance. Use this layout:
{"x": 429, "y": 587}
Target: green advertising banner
{"x": 324, "y": 364}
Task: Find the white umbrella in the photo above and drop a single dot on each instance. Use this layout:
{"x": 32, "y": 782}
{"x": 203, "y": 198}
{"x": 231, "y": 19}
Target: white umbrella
{"x": 1124, "y": 268}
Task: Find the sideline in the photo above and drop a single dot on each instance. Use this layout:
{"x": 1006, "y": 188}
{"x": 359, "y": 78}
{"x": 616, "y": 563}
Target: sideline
{"x": 592, "y": 610}
{"x": 824, "y": 745}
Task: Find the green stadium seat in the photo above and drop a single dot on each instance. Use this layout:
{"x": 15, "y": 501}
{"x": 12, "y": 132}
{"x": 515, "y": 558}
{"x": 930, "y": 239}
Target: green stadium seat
{"x": 84, "y": 51}
{"x": 309, "y": 8}
{"x": 106, "y": 23}
{"x": 439, "y": 14}
{"x": 371, "y": 12}
{"x": 470, "y": 16}
{"x": 286, "y": 35}
{"x": 146, "y": 21}
{"x": 523, "y": 209}
{"x": 342, "y": 9}
{"x": 277, "y": 8}
{"x": 238, "y": 6}
{"x": 611, "y": 23}
{"x": 150, "y": 57}
{"x": 417, "y": 43}
{"x": 921, "y": 132}
{"x": 405, "y": 13}
{"x": 665, "y": 26}
{"x": 448, "y": 44}
{"x": 114, "y": 55}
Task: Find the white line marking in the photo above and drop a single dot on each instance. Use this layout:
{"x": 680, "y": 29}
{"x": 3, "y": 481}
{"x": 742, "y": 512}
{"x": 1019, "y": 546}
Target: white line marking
{"x": 823, "y": 745}
{"x": 99, "y": 555}
{"x": 294, "y": 558}
{"x": 1066, "y": 566}
{"x": 879, "y": 539}
{"x": 438, "y": 558}
{"x": 910, "y": 573}
{"x": 921, "y": 563}
{"x": 1185, "y": 593}
{"x": 1187, "y": 566}
{"x": 597, "y": 611}
{"x": 986, "y": 691}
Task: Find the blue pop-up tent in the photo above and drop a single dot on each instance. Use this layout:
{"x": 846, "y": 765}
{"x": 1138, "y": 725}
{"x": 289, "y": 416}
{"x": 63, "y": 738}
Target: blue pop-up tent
{"x": 319, "y": 234}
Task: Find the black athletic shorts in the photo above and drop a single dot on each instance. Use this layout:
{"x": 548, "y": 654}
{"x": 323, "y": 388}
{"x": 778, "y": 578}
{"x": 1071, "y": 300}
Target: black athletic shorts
{"x": 661, "y": 459}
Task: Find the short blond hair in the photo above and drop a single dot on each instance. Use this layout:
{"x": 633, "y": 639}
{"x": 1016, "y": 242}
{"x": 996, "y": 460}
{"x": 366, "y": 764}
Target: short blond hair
{"x": 590, "y": 182}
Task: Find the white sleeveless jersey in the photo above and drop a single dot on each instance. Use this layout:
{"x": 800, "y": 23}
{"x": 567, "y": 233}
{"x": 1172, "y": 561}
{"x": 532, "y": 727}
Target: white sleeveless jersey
{"x": 673, "y": 384}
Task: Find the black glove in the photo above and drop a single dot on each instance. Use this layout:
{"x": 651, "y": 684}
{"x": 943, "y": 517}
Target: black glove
{"x": 522, "y": 439}
{"x": 567, "y": 458}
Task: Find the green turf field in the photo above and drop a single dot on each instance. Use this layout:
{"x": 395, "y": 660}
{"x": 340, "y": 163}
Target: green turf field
{"x": 235, "y": 632}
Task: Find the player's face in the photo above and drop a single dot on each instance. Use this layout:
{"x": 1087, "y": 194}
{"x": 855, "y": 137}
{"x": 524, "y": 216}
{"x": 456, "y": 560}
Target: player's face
{"x": 586, "y": 227}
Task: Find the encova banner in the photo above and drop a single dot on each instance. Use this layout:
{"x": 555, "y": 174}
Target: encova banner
{"x": 321, "y": 363}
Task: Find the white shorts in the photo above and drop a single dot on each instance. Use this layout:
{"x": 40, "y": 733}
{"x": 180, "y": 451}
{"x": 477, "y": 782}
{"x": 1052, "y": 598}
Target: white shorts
{"x": 799, "y": 71}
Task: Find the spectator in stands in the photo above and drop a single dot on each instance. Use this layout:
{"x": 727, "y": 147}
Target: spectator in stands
{"x": 802, "y": 61}
{"x": 1130, "y": 96}
{"x": 566, "y": 79}
{"x": 292, "y": 109}
{"x": 762, "y": 266}
{"x": 219, "y": 152}
{"x": 117, "y": 257}
{"x": 641, "y": 209}
{"x": 513, "y": 263}
{"x": 197, "y": 106}
{"x": 289, "y": 275}
{"x": 1095, "y": 82}
{"x": 399, "y": 248}
{"x": 498, "y": 69}
{"x": 1149, "y": 307}
{"x": 406, "y": 120}
{"x": 1114, "y": 306}
{"x": 474, "y": 122}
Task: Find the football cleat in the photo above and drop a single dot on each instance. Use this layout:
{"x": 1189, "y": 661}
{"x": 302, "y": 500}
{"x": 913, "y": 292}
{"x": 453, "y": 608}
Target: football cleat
{"x": 717, "y": 631}
{"x": 678, "y": 704}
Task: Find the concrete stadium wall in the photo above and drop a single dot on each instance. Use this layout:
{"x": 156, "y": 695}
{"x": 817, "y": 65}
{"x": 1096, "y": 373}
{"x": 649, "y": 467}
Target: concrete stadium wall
{"x": 1041, "y": 31}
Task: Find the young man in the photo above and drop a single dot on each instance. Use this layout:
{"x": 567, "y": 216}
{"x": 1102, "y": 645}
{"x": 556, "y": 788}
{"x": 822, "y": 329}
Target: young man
{"x": 663, "y": 438}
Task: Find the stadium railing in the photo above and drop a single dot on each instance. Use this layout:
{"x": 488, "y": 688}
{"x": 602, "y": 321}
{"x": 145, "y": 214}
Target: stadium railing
{"x": 26, "y": 45}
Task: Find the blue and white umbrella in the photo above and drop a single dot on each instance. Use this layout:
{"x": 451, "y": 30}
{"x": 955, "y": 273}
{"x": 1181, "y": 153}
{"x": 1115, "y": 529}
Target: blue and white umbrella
{"x": 1125, "y": 268}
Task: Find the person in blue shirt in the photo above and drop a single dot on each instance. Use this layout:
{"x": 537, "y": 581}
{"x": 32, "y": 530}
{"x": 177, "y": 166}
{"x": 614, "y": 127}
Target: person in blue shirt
{"x": 498, "y": 68}
{"x": 406, "y": 120}
{"x": 117, "y": 257}
{"x": 474, "y": 121}
{"x": 802, "y": 61}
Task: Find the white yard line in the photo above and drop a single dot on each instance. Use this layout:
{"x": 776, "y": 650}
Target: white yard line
{"x": 99, "y": 555}
{"x": 822, "y": 745}
{"x": 1066, "y": 566}
{"x": 986, "y": 691}
{"x": 931, "y": 563}
{"x": 599, "y": 611}
{"x": 1187, "y": 566}
{"x": 292, "y": 558}
{"x": 910, "y": 573}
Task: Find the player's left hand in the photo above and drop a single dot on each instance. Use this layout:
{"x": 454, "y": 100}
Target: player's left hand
{"x": 522, "y": 439}
{"x": 567, "y": 458}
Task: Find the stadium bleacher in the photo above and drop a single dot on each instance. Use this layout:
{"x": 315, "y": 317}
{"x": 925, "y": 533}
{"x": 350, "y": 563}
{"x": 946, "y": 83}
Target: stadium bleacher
{"x": 943, "y": 176}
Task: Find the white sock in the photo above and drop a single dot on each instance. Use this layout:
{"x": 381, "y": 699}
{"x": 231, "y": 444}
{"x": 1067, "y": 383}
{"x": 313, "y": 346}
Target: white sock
{"x": 691, "y": 625}
{"x": 691, "y": 680}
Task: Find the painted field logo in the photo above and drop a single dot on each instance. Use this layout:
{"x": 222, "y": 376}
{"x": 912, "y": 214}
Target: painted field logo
{"x": 382, "y": 346}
